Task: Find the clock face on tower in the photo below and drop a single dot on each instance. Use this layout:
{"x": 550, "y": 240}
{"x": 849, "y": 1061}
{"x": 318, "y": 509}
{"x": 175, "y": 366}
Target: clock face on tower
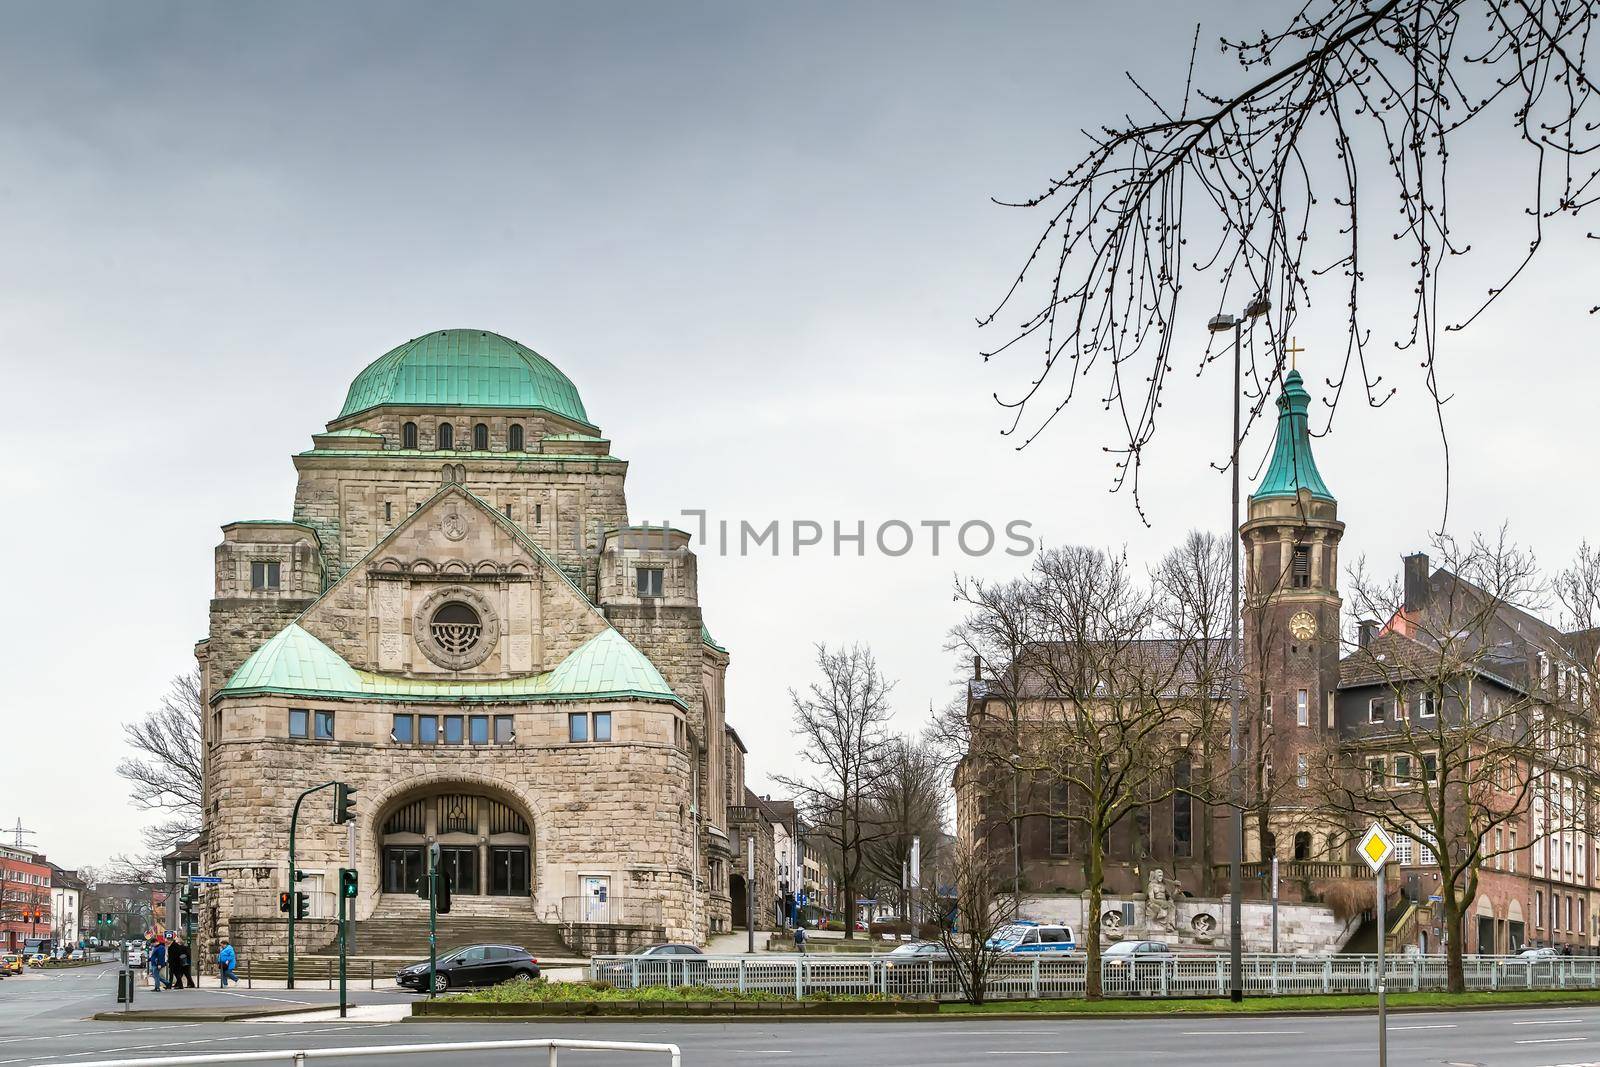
{"x": 1303, "y": 625}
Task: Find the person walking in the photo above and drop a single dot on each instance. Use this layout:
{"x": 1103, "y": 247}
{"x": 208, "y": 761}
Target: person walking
{"x": 156, "y": 964}
{"x": 225, "y": 960}
{"x": 178, "y": 959}
{"x": 800, "y": 939}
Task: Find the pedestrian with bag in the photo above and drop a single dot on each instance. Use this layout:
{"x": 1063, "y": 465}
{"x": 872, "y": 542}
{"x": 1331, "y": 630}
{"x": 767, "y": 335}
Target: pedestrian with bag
{"x": 225, "y": 961}
{"x": 800, "y": 939}
{"x": 178, "y": 959}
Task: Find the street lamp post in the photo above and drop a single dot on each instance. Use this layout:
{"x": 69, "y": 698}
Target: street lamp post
{"x": 1016, "y": 841}
{"x": 1221, "y": 324}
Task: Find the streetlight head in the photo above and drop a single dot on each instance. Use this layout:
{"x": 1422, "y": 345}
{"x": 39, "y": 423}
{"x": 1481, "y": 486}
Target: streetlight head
{"x": 1258, "y": 307}
{"x": 1221, "y": 323}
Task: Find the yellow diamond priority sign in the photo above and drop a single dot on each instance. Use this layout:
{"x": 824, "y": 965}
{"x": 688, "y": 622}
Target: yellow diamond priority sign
{"x": 1376, "y": 847}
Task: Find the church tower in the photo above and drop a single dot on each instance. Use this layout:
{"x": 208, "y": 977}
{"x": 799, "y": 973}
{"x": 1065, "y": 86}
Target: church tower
{"x": 1291, "y": 634}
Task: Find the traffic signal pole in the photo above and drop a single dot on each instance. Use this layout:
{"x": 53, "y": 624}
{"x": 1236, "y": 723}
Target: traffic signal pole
{"x": 342, "y": 1009}
{"x": 294, "y": 874}
{"x": 433, "y": 918}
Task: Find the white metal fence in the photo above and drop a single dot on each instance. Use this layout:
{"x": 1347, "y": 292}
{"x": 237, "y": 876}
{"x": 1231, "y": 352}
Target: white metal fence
{"x": 1025, "y": 976}
{"x": 297, "y": 1057}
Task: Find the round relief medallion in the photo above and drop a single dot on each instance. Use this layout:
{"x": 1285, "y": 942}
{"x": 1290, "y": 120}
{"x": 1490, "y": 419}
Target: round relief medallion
{"x": 456, "y": 628}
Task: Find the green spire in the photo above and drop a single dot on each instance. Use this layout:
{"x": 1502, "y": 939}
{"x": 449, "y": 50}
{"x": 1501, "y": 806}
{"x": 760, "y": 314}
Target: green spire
{"x": 1293, "y": 467}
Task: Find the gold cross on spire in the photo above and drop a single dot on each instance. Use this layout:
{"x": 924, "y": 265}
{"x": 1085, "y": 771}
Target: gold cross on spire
{"x": 1292, "y": 351}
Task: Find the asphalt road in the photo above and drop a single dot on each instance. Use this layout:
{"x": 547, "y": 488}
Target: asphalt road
{"x": 43, "y": 1021}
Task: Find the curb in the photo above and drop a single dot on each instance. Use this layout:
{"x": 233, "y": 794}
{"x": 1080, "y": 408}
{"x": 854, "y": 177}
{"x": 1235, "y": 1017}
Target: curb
{"x": 1006, "y": 1016}
{"x": 622, "y": 1009}
{"x": 200, "y": 1015}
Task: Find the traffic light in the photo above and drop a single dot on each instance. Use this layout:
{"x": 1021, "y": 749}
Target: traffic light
{"x": 302, "y": 905}
{"x": 347, "y": 882}
{"x": 283, "y": 902}
{"x": 441, "y": 902}
{"x": 343, "y": 802}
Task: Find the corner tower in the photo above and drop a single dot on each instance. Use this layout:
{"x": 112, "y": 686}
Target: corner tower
{"x": 1291, "y": 623}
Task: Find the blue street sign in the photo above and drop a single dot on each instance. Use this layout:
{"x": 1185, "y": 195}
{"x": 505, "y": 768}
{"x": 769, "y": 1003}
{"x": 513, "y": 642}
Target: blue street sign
{"x": 204, "y": 879}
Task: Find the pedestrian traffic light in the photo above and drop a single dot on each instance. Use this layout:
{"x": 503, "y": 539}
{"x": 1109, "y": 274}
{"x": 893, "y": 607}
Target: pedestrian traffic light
{"x": 302, "y": 905}
{"x": 422, "y": 888}
{"x": 283, "y": 902}
{"x": 343, "y": 801}
{"x": 347, "y": 882}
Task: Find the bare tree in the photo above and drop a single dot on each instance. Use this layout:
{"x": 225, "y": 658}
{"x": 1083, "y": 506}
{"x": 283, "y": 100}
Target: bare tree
{"x": 1348, "y": 113}
{"x": 971, "y": 906}
{"x": 1192, "y": 585}
{"x": 1451, "y": 752}
{"x": 842, "y": 722}
{"x": 165, "y": 772}
{"x": 907, "y": 804}
{"x": 1578, "y": 589}
{"x": 1087, "y": 729}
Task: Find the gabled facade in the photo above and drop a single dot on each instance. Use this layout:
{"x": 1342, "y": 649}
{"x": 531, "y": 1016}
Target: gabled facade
{"x": 457, "y": 620}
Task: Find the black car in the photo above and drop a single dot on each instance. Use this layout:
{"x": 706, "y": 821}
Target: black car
{"x": 473, "y": 965}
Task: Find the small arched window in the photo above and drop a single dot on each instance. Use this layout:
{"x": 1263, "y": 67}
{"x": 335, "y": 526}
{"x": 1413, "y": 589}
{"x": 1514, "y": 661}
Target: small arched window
{"x": 447, "y": 435}
{"x": 1302, "y": 846}
{"x": 515, "y": 442}
{"x": 408, "y": 435}
{"x": 480, "y": 438}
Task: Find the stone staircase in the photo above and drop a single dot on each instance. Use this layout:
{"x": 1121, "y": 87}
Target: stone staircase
{"x": 397, "y": 934}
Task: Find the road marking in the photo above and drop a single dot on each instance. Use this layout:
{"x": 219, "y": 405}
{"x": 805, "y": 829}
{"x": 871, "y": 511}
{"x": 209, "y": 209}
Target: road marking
{"x": 994, "y": 1033}
{"x": 1239, "y": 1033}
{"x": 1548, "y": 1040}
{"x": 1427, "y": 1026}
{"x": 1548, "y": 1022}
{"x": 1027, "y": 1052}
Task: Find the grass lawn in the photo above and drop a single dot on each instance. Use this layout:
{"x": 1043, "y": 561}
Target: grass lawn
{"x": 1332, "y": 1002}
{"x": 542, "y": 992}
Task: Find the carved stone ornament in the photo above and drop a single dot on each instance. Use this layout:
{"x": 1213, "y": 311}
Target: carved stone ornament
{"x": 454, "y": 523}
{"x": 456, "y": 627}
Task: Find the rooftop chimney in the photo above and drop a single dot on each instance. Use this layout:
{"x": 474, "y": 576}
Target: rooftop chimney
{"x": 1416, "y": 581}
{"x": 1366, "y": 630}
{"x": 977, "y": 667}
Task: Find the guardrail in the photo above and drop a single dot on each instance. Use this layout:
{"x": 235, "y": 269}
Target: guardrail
{"x": 1036, "y": 976}
{"x": 297, "y": 1057}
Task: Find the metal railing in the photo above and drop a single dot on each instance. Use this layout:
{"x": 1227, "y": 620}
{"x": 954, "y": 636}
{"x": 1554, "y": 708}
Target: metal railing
{"x": 1036, "y": 976}
{"x": 297, "y": 1057}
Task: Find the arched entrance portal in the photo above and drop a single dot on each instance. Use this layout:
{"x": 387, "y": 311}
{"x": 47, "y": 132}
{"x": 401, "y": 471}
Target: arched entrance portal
{"x": 485, "y": 844}
{"x": 737, "y": 891}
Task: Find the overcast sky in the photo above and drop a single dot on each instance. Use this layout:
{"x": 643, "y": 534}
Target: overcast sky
{"x": 755, "y": 236}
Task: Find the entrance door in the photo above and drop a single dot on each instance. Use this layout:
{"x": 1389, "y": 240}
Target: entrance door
{"x": 402, "y": 868}
{"x": 508, "y": 872}
{"x": 596, "y": 898}
{"x": 461, "y": 864}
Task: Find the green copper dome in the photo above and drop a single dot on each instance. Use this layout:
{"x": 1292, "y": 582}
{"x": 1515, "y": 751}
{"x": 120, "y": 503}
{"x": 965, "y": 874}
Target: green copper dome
{"x": 1293, "y": 467}
{"x": 466, "y": 368}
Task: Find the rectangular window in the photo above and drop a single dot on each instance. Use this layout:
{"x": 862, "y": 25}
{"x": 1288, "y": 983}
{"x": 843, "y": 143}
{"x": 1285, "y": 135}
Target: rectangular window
{"x": 538, "y": 514}
{"x": 428, "y": 729}
{"x": 602, "y": 726}
{"x": 577, "y": 727}
{"x": 648, "y": 581}
{"x": 299, "y": 722}
{"x": 404, "y": 730}
{"x": 1426, "y": 708}
{"x": 1266, "y": 709}
{"x": 1330, "y": 711}
{"x": 452, "y": 729}
{"x": 505, "y": 729}
{"x": 1302, "y": 707}
{"x": 1182, "y": 812}
{"x": 1375, "y": 772}
{"x": 1402, "y": 850}
{"x": 1538, "y": 907}
{"x": 388, "y": 511}
{"x": 324, "y": 726}
{"x": 1377, "y": 709}
{"x": 1511, "y": 857}
{"x": 1402, "y": 770}
{"x": 1430, "y": 767}
{"x": 1300, "y": 569}
{"x": 263, "y": 575}
{"x": 478, "y": 727}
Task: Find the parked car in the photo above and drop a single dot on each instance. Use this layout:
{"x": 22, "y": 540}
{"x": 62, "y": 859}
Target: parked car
{"x": 1538, "y": 954}
{"x": 1033, "y": 937}
{"x": 135, "y": 954}
{"x": 669, "y": 963}
{"x": 11, "y": 963}
{"x": 38, "y": 959}
{"x": 1136, "y": 961}
{"x": 75, "y": 954}
{"x": 470, "y": 966}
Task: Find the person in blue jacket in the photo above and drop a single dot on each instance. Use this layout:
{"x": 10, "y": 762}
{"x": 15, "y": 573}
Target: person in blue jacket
{"x": 225, "y": 960}
{"x": 156, "y": 963}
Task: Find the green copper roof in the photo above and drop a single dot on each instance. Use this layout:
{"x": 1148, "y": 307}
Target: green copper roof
{"x": 294, "y": 662}
{"x": 350, "y": 432}
{"x": 1293, "y": 467}
{"x": 707, "y": 639}
{"x": 469, "y": 368}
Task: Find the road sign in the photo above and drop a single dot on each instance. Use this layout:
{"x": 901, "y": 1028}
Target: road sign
{"x": 204, "y": 879}
{"x": 1376, "y": 847}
